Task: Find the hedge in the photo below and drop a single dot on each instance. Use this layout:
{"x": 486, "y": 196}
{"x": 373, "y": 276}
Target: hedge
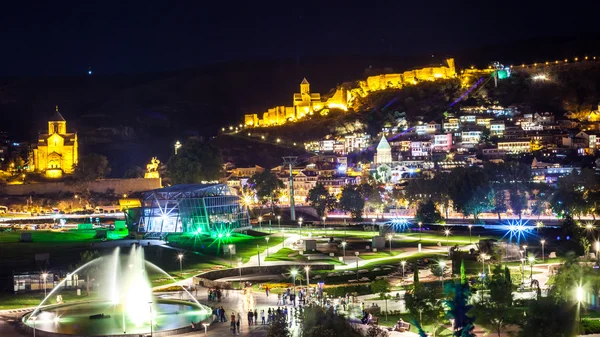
{"x": 590, "y": 326}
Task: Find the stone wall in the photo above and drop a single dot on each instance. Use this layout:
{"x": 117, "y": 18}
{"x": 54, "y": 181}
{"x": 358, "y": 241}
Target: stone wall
{"x": 118, "y": 186}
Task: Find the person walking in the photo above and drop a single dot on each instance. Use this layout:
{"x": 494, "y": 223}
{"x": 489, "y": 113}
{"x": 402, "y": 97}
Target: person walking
{"x": 232, "y": 324}
{"x": 267, "y": 290}
{"x": 239, "y": 323}
{"x": 262, "y": 316}
{"x": 250, "y": 315}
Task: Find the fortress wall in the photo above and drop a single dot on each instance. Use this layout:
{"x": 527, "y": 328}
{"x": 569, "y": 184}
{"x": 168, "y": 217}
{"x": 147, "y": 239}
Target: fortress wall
{"x": 120, "y": 186}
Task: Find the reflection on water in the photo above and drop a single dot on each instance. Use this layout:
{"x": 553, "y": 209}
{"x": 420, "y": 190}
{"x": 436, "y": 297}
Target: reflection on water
{"x": 74, "y": 319}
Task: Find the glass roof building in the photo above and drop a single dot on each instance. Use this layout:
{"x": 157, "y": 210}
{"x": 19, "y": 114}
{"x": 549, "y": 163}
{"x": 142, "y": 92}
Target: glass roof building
{"x": 211, "y": 209}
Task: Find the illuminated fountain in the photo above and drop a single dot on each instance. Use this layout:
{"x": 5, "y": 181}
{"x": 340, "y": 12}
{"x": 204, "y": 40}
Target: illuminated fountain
{"x": 125, "y": 306}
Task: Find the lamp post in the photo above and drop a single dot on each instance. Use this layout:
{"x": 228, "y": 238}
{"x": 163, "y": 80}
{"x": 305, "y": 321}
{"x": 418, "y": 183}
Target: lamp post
{"x": 230, "y": 256}
{"x": 258, "y": 255}
{"x": 442, "y": 265}
{"x": 447, "y": 232}
{"x": 470, "y": 228}
{"x": 151, "y": 320}
{"x": 524, "y": 250}
{"x": 44, "y": 276}
{"x": 389, "y": 237}
{"x": 403, "y": 263}
{"x": 544, "y": 241}
{"x": 356, "y": 254}
{"x": 240, "y": 270}
{"x": 300, "y": 224}
{"x": 294, "y": 272}
{"x": 420, "y": 231}
{"x": 180, "y": 257}
{"x": 579, "y": 294}
{"x": 260, "y": 222}
{"x": 267, "y": 239}
{"x": 531, "y": 260}
{"x": 324, "y": 218}
{"x": 279, "y": 221}
{"x": 522, "y": 270}
{"x": 344, "y": 243}
{"x": 307, "y": 270}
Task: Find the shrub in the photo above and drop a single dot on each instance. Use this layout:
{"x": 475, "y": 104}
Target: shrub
{"x": 590, "y": 326}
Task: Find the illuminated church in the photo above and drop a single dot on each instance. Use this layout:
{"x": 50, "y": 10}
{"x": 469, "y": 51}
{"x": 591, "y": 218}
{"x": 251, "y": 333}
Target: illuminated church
{"x": 57, "y": 151}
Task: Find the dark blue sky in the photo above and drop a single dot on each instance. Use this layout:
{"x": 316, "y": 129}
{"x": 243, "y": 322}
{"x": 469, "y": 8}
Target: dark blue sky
{"x": 65, "y": 38}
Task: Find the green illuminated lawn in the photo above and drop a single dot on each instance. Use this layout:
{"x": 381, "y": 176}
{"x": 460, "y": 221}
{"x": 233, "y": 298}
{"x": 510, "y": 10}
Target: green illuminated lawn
{"x": 245, "y": 245}
{"x": 284, "y": 254}
{"x": 11, "y": 301}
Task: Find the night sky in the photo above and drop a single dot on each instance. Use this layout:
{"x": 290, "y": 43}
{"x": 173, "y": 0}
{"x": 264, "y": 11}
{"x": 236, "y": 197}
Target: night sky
{"x": 65, "y": 38}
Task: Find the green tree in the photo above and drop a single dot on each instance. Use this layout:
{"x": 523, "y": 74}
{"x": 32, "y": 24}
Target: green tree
{"x": 320, "y": 199}
{"x": 424, "y": 305}
{"x": 568, "y": 276}
{"x": 266, "y": 184}
{"x": 549, "y": 317}
{"x": 494, "y": 313}
{"x": 352, "y": 201}
{"x": 196, "y": 161}
{"x": 91, "y": 270}
{"x": 91, "y": 167}
{"x": 458, "y": 309}
{"x": 427, "y": 213}
{"x": 279, "y": 328}
{"x": 499, "y": 202}
{"x": 416, "y": 276}
{"x": 470, "y": 191}
{"x": 518, "y": 201}
{"x": 318, "y": 322}
{"x": 380, "y": 286}
{"x": 463, "y": 274}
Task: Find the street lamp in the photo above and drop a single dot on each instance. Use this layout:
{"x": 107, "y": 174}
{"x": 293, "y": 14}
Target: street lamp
{"x": 442, "y": 265}
{"x": 389, "y": 237}
{"x": 544, "y": 241}
{"x": 151, "y": 319}
{"x": 307, "y": 270}
{"x": 260, "y": 222}
{"x": 344, "y": 243}
{"x": 180, "y": 257}
{"x": 403, "y": 263}
{"x": 356, "y": 254}
{"x": 324, "y": 218}
{"x": 279, "y": 221}
{"x": 447, "y": 232}
{"x": 267, "y": 239}
{"x": 240, "y": 269}
{"x": 300, "y": 224}
{"x": 420, "y": 231}
{"x": 531, "y": 260}
{"x": 44, "y": 276}
{"x": 230, "y": 255}
{"x": 522, "y": 270}
{"x": 470, "y": 227}
{"x": 524, "y": 250}
{"x": 294, "y": 272}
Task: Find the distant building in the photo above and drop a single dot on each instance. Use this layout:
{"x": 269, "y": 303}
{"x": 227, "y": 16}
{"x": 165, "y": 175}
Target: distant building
{"x": 57, "y": 151}
{"x": 384, "y": 152}
{"x": 515, "y": 146}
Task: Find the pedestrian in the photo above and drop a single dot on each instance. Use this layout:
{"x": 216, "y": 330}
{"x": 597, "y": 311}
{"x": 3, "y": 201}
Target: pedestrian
{"x": 262, "y": 316}
{"x": 269, "y": 317}
{"x": 285, "y": 313}
{"x": 223, "y": 318}
{"x": 250, "y": 315}
{"x": 255, "y": 317}
{"x": 238, "y": 323}
{"x": 278, "y": 299}
{"x": 232, "y": 324}
{"x": 217, "y": 314}
{"x": 267, "y": 290}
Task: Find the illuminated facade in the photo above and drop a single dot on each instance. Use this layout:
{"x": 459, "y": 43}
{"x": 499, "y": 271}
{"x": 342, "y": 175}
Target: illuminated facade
{"x": 210, "y": 209}
{"x": 304, "y": 103}
{"x": 57, "y": 151}
{"x": 307, "y": 103}
{"x": 384, "y": 152}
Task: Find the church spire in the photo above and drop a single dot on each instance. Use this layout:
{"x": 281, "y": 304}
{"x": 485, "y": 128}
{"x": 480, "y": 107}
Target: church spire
{"x": 57, "y": 117}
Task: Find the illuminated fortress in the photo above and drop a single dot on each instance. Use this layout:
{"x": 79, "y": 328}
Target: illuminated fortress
{"x": 306, "y": 103}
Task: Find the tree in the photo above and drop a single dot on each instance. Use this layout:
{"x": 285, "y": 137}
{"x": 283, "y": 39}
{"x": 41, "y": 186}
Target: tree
{"x": 91, "y": 167}
{"x": 499, "y": 202}
{"x": 493, "y": 314}
{"x": 458, "y": 309}
{"x": 320, "y": 199}
{"x": 518, "y": 201}
{"x": 549, "y": 317}
{"x": 134, "y": 172}
{"x": 566, "y": 278}
{"x": 427, "y": 213}
{"x": 416, "y": 276}
{"x": 317, "y": 322}
{"x": 470, "y": 191}
{"x": 352, "y": 201}
{"x": 463, "y": 274}
{"x": 424, "y": 306}
{"x": 266, "y": 184}
{"x": 380, "y": 286}
{"x": 279, "y": 327}
{"x": 90, "y": 271}
{"x": 196, "y": 161}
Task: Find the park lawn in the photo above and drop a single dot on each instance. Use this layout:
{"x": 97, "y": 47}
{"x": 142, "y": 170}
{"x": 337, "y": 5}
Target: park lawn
{"x": 377, "y": 255}
{"x": 28, "y": 300}
{"x": 283, "y": 255}
{"x": 245, "y": 245}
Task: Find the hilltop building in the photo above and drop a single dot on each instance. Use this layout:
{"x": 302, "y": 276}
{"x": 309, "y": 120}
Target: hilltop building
{"x": 304, "y": 103}
{"x": 57, "y": 151}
